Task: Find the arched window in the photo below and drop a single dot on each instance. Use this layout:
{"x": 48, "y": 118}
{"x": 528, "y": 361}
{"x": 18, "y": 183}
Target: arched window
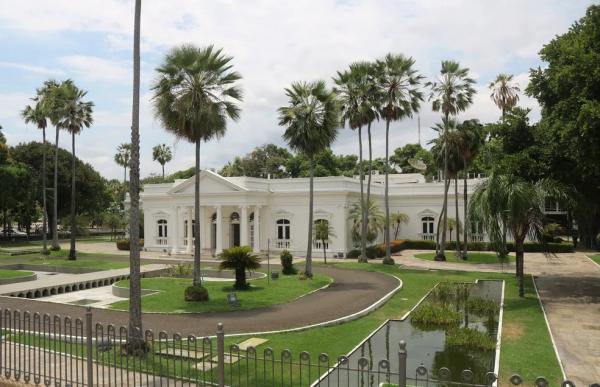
{"x": 162, "y": 232}
{"x": 427, "y": 227}
{"x": 283, "y": 229}
{"x": 185, "y": 228}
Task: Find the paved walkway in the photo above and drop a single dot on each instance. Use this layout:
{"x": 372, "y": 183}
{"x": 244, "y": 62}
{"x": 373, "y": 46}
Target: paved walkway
{"x": 569, "y": 287}
{"x": 352, "y": 291}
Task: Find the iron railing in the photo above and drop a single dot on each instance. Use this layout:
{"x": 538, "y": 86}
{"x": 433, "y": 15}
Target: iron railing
{"x": 54, "y": 350}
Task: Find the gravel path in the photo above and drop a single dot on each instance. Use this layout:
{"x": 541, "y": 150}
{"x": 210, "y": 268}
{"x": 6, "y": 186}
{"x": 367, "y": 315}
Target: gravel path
{"x": 352, "y": 291}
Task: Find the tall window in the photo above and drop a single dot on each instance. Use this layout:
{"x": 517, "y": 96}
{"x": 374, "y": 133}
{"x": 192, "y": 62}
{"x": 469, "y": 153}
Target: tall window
{"x": 162, "y": 231}
{"x": 252, "y": 229}
{"x": 427, "y": 227}
{"x": 283, "y": 229}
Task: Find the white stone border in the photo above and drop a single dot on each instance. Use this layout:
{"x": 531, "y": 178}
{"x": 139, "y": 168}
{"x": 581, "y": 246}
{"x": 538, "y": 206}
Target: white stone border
{"x": 336, "y": 321}
{"x": 499, "y": 337}
{"x": 591, "y": 260}
{"x": 562, "y": 370}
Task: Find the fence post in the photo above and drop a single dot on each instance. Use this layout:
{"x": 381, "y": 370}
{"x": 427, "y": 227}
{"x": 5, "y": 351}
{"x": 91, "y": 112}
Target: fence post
{"x": 402, "y": 364}
{"x": 221, "y": 354}
{"x": 89, "y": 347}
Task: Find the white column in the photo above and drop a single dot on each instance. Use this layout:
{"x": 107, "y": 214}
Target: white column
{"x": 256, "y": 246}
{"x": 244, "y": 226}
{"x": 190, "y": 236}
{"x": 200, "y": 223}
{"x": 175, "y": 227}
{"x": 219, "y": 230}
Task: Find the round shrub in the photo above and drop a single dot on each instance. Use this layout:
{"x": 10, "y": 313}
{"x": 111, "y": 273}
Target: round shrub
{"x": 287, "y": 263}
{"x": 196, "y": 293}
{"x": 354, "y": 253}
{"x": 123, "y": 244}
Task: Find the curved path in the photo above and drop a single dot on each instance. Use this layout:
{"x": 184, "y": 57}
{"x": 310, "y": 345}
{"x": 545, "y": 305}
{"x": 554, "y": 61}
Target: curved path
{"x": 351, "y": 292}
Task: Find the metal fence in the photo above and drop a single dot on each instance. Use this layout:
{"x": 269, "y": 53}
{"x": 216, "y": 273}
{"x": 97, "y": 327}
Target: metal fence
{"x": 54, "y": 351}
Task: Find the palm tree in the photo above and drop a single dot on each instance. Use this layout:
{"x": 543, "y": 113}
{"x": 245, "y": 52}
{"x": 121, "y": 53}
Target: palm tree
{"x": 240, "y": 259}
{"x": 162, "y": 153}
{"x": 399, "y": 218}
{"x": 136, "y": 337}
{"x": 471, "y": 140}
{"x": 355, "y": 88}
{"x": 194, "y": 96}
{"x": 375, "y": 220}
{"x": 312, "y": 120}
{"x": 504, "y": 92}
{"x": 37, "y": 116}
{"x": 451, "y": 94}
{"x": 399, "y": 83}
{"x": 49, "y": 99}
{"x": 76, "y": 114}
{"x": 123, "y": 158}
{"x": 507, "y": 200}
{"x": 323, "y": 231}
{"x": 454, "y": 224}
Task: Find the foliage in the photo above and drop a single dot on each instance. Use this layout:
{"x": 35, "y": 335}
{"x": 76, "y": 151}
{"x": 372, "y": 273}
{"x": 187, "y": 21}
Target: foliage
{"x": 240, "y": 259}
{"x": 403, "y": 156}
{"x": 429, "y": 313}
{"x": 123, "y": 156}
{"x": 505, "y": 93}
{"x": 123, "y": 244}
{"x": 375, "y": 221}
{"x": 196, "y": 293}
{"x": 482, "y": 306}
{"x": 163, "y": 154}
{"x": 263, "y": 161}
{"x": 180, "y": 270}
{"x": 287, "y": 263}
{"x": 470, "y": 338}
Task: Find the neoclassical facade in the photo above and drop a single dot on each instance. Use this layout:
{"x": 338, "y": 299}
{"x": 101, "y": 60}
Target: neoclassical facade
{"x": 273, "y": 213}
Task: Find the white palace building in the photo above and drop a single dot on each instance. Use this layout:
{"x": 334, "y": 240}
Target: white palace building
{"x": 273, "y": 213}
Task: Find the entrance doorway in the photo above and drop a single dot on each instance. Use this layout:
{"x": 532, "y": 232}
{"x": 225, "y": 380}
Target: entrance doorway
{"x": 235, "y": 229}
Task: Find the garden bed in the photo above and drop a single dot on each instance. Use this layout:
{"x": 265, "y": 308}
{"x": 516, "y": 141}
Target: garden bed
{"x": 473, "y": 258}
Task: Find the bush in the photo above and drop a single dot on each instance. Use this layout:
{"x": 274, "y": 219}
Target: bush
{"x": 483, "y": 307}
{"x": 123, "y": 244}
{"x": 469, "y": 338}
{"x": 372, "y": 252}
{"x": 287, "y": 263}
{"x": 435, "y": 314}
{"x": 196, "y": 293}
{"x": 354, "y": 253}
{"x": 181, "y": 270}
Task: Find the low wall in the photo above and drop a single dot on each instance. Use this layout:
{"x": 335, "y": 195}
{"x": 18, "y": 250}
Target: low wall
{"x": 49, "y": 268}
{"x": 14, "y": 280}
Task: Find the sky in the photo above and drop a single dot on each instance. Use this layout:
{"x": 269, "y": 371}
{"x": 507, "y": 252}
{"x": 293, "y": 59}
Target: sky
{"x": 273, "y": 43}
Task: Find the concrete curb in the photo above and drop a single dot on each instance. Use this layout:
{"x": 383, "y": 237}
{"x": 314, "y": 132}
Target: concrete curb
{"x": 560, "y": 363}
{"x": 15, "y": 280}
{"x": 591, "y": 260}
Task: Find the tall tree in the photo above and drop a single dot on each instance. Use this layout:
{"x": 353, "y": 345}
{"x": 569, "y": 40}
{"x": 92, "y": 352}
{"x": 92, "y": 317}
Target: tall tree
{"x": 505, "y": 93}
{"x": 568, "y": 92}
{"x": 195, "y": 94}
{"x": 163, "y": 154}
{"x": 505, "y": 199}
{"x": 375, "y": 221}
{"x": 136, "y": 337}
{"x": 322, "y": 232}
{"x": 401, "y": 96}
{"x": 36, "y": 115}
{"x": 450, "y": 94}
{"x": 354, "y": 88}
{"x": 398, "y": 218}
{"x": 76, "y": 114}
{"x": 123, "y": 158}
{"x": 311, "y": 120}
{"x": 49, "y": 97}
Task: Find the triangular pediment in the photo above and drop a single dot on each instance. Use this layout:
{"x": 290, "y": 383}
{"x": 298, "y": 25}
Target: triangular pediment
{"x": 210, "y": 183}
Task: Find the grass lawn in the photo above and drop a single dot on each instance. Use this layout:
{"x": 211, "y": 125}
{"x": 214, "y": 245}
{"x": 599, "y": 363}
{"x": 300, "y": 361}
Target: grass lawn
{"x": 475, "y": 258}
{"x": 595, "y": 258}
{"x": 171, "y": 300}
{"x": 14, "y": 273}
{"x": 526, "y": 345}
{"x": 59, "y": 258}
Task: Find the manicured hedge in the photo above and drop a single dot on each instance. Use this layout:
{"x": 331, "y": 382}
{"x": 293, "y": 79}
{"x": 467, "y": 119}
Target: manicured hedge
{"x": 397, "y": 246}
{"x": 123, "y": 244}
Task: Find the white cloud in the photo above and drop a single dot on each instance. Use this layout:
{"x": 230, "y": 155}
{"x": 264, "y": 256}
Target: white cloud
{"x": 32, "y": 68}
{"x": 97, "y": 69}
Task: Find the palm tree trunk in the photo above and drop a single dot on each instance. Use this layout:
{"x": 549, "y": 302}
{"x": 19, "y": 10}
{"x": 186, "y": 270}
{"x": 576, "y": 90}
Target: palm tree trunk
{"x": 136, "y": 338}
{"x": 72, "y": 253}
{"x": 397, "y": 230}
{"x": 445, "y": 205}
{"x": 365, "y": 207}
{"x": 363, "y": 224}
{"x": 324, "y": 251}
{"x": 386, "y": 236}
{"x": 464, "y": 254}
{"x": 308, "y": 269}
{"x": 124, "y": 175}
{"x": 55, "y": 245}
{"x": 442, "y": 220}
{"x": 45, "y": 209}
{"x": 519, "y": 254}
{"x": 197, "y": 272}
{"x": 163, "y": 171}
{"x": 457, "y": 219}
